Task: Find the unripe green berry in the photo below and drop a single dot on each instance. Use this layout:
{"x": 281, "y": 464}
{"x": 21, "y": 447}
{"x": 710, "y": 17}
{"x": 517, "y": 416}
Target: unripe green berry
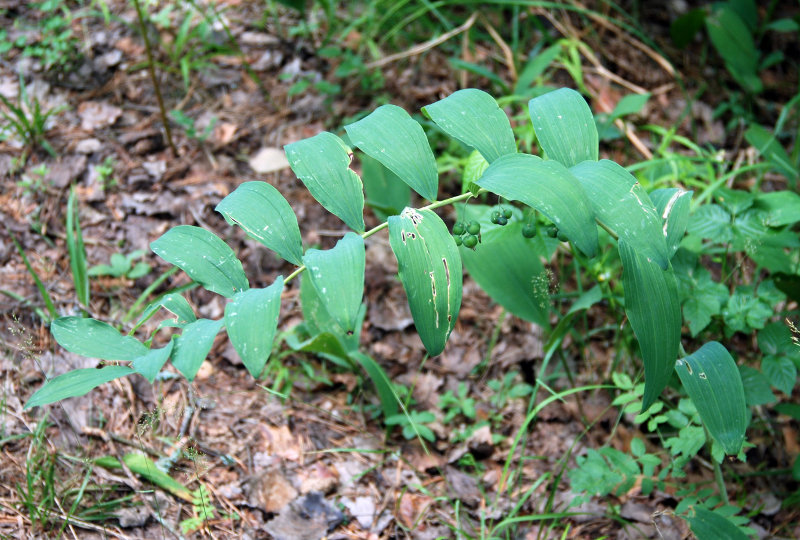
{"x": 470, "y": 241}
{"x": 562, "y": 236}
{"x": 458, "y": 228}
{"x": 458, "y": 240}
{"x": 552, "y": 231}
{"x": 473, "y": 228}
{"x": 529, "y": 230}
{"x": 502, "y": 220}
{"x": 507, "y": 213}
{"x": 495, "y": 216}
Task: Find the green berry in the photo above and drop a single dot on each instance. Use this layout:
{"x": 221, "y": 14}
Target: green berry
{"x": 470, "y": 241}
{"x": 458, "y": 228}
{"x": 458, "y": 240}
{"x": 495, "y": 216}
{"x": 529, "y": 230}
{"x": 474, "y": 228}
{"x": 507, "y": 213}
{"x": 552, "y": 231}
{"x": 562, "y": 236}
{"x": 502, "y": 220}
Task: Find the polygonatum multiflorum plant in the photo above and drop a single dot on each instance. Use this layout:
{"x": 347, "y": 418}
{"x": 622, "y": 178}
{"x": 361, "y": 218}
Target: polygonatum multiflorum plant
{"x": 568, "y": 187}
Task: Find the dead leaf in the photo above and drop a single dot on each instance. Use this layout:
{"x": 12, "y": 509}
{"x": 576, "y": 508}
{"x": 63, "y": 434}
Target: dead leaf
{"x": 270, "y": 491}
{"x": 412, "y": 508}
{"x": 97, "y": 114}
{"x": 310, "y": 517}
{"x": 319, "y": 478}
{"x": 268, "y": 160}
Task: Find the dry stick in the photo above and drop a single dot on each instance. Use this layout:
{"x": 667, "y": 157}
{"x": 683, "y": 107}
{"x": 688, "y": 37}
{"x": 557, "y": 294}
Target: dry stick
{"x": 151, "y": 68}
{"x": 421, "y": 48}
{"x": 507, "y": 54}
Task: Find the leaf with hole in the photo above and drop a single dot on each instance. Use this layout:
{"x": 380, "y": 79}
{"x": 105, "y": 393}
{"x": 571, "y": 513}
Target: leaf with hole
{"x": 673, "y": 205}
{"x": 265, "y": 215}
{"x": 193, "y": 345}
{"x": 392, "y": 137}
{"x": 338, "y": 277}
{"x": 251, "y": 319}
{"x": 620, "y": 202}
{"x": 473, "y": 117}
{"x": 430, "y": 270}
{"x": 204, "y": 257}
{"x": 95, "y": 339}
{"x": 322, "y": 162}
{"x": 75, "y": 383}
{"x": 651, "y": 303}
{"x": 564, "y": 126}
{"x": 712, "y": 380}
{"x": 549, "y": 187}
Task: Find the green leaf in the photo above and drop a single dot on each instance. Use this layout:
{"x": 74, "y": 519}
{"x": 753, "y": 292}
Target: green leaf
{"x": 776, "y": 340}
{"x": 564, "y": 126}
{"x": 549, "y": 187}
{"x": 744, "y": 311}
{"x": 711, "y": 221}
{"x": 712, "y": 380}
{"x": 672, "y": 204}
{"x": 781, "y": 373}
{"x": 651, "y": 302}
{"x": 702, "y": 296}
{"x": 392, "y": 137}
{"x": 323, "y": 164}
{"x": 95, "y": 339}
{"x": 734, "y": 42}
{"x": 338, "y": 277}
{"x": 204, "y": 257}
{"x": 473, "y": 117}
{"x": 430, "y": 270}
{"x": 262, "y": 212}
{"x": 685, "y": 27}
{"x": 75, "y": 383}
{"x": 524, "y": 288}
{"x": 770, "y": 148}
{"x": 620, "y": 202}
{"x": 781, "y": 207}
{"x": 756, "y": 387}
{"x": 474, "y": 168}
{"x": 734, "y": 201}
{"x": 193, "y": 345}
{"x": 535, "y": 67}
{"x": 325, "y": 344}
{"x": 708, "y": 525}
{"x": 251, "y": 319}
{"x": 381, "y": 381}
{"x": 149, "y": 365}
{"x": 387, "y": 194}
{"x": 144, "y": 467}
{"x": 629, "y": 104}
{"x": 318, "y": 321}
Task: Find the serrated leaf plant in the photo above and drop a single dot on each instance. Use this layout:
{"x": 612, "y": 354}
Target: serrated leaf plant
{"x": 566, "y": 192}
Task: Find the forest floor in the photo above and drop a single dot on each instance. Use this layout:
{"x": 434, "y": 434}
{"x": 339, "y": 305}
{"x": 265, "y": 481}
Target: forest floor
{"x": 299, "y": 454}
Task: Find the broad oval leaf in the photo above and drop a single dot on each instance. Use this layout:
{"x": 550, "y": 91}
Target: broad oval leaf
{"x": 386, "y": 193}
{"x": 317, "y": 320}
{"x": 708, "y": 525}
{"x": 204, "y": 257}
{"x": 322, "y": 162}
{"x": 712, "y": 380}
{"x": 251, "y": 319}
{"x": 652, "y": 305}
{"x": 564, "y": 126}
{"x": 75, "y": 383}
{"x": 391, "y": 136}
{"x": 620, "y": 202}
{"x": 192, "y": 346}
{"x": 263, "y": 213}
{"x": 549, "y": 187}
{"x": 673, "y": 205}
{"x": 473, "y": 117}
{"x": 508, "y": 266}
{"x": 430, "y": 270}
{"x": 149, "y": 365}
{"x": 95, "y": 339}
{"x": 338, "y": 277}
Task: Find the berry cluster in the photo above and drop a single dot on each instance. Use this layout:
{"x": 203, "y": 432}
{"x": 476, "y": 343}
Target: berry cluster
{"x": 553, "y": 232}
{"x": 468, "y": 234}
{"x": 501, "y": 217}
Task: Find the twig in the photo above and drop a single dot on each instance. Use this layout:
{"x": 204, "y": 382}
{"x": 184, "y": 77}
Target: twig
{"x": 422, "y": 47}
{"x": 508, "y": 55}
{"x": 151, "y": 68}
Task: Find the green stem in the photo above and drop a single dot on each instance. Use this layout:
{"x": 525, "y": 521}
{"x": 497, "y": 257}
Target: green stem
{"x": 367, "y": 234}
{"x": 720, "y": 481}
{"x": 151, "y": 68}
